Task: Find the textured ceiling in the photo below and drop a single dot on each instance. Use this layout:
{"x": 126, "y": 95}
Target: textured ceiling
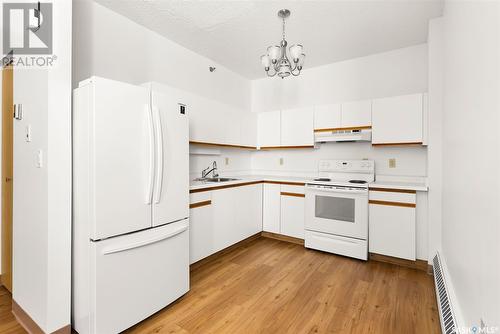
{"x": 236, "y": 33}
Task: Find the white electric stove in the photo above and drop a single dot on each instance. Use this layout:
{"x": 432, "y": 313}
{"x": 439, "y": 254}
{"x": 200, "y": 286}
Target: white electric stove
{"x": 336, "y": 210}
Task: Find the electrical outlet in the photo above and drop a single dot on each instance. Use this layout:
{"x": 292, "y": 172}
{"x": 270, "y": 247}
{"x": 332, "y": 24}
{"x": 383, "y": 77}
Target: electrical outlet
{"x": 227, "y": 161}
{"x": 282, "y": 162}
{"x": 392, "y": 163}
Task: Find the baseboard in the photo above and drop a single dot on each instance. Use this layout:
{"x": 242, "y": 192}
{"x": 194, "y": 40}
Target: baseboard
{"x": 283, "y": 238}
{"x": 30, "y": 325}
{"x": 418, "y": 264}
{"x": 218, "y": 254}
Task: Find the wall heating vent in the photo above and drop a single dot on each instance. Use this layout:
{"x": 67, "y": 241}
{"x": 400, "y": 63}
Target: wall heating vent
{"x": 448, "y": 322}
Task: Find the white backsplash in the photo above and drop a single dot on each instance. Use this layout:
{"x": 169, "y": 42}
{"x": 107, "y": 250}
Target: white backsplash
{"x": 410, "y": 160}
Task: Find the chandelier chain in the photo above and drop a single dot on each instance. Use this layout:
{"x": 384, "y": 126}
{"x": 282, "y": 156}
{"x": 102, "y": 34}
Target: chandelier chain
{"x": 283, "y": 28}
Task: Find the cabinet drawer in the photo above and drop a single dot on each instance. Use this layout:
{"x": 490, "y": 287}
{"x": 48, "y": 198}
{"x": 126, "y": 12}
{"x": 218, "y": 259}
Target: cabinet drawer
{"x": 196, "y": 198}
{"x": 392, "y": 197}
{"x": 287, "y": 190}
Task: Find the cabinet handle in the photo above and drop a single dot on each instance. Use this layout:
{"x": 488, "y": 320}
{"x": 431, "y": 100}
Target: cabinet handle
{"x": 283, "y": 193}
{"x": 406, "y": 205}
{"x": 199, "y": 204}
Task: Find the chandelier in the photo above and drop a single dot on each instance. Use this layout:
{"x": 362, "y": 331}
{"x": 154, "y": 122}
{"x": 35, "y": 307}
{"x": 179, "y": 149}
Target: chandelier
{"x": 277, "y": 58}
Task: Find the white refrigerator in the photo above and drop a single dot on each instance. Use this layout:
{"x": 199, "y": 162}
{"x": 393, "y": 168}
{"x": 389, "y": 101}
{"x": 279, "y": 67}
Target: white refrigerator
{"x": 130, "y": 204}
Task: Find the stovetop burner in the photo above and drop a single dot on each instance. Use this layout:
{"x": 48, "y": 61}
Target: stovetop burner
{"x": 358, "y": 181}
{"x": 324, "y": 179}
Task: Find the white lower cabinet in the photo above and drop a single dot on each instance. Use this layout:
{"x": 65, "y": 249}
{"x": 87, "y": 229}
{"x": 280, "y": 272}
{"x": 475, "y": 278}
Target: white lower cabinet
{"x": 292, "y": 211}
{"x": 223, "y": 217}
{"x": 202, "y": 227}
{"x": 392, "y": 221}
{"x": 271, "y": 208}
{"x": 283, "y": 210}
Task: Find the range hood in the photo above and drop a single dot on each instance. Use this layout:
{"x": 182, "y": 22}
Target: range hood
{"x": 343, "y": 135}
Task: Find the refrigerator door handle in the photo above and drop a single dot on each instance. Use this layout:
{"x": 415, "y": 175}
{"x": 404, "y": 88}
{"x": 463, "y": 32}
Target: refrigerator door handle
{"x": 149, "y": 196}
{"x": 112, "y": 250}
{"x": 159, "y": 156}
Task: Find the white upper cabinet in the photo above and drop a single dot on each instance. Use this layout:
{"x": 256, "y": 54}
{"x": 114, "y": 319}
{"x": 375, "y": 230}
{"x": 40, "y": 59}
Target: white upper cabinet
{"x": 356, "y": 114}
{"x": 398, "y": 120}
{"x": 327, "y": 116}
{"x": 248, "y": 129}
{"x": 269, "y": 129}
{"x": 297, "y": 127}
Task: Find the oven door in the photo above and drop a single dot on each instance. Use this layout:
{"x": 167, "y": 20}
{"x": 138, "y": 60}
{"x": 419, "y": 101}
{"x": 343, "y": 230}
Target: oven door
{"x": 337, "y": 211}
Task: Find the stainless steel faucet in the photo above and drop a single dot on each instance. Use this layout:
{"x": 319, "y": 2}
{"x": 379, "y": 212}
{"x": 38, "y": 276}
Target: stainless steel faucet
{"x": 206, "y": 171}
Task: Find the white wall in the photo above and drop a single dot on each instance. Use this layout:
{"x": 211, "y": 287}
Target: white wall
{"x": 396, "y": 72}
{"x": 435, "y": 133}
{"x": 42, "y": 196}
{"x": 471, "y": 157}
{"x": 410, "y": 161}
{"x": 110, "y": 45}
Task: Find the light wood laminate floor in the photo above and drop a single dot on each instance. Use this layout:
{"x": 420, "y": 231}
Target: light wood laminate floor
{"x": 271, "y": 286}
{"x": 8, "y": 323}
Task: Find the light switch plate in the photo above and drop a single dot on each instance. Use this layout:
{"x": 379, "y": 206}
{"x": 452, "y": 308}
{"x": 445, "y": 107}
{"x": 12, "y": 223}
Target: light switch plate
{"x": 392, "y": 163}
{"x": 282, "y": 162}
{"x": 227, "y": 161}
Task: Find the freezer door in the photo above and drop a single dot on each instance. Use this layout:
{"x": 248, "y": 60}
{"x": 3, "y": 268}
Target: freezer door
{"x": 137, "y": 275}
{"x": 171, "y": 191}
{"x": 121, "y": 159}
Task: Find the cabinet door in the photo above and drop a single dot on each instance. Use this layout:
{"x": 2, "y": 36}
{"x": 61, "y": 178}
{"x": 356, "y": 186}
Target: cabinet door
{"x": 397, "y": 120}
{"x": 201, "y": 229}
{"x": 248, "y": 129}
{"x": 271, "y": 208}
{"x": 225, "y": 203}
{"x": 357, "y": 114}
{"x": 292, "y": 213}
{"x": 297, "y": 127}
{"x": 327, "y": 116}
{"x": 205, "y": 120}
{"x": 392, "y": 231}
{"x": 269, "y": 129}
{"x": 249, "y": 211}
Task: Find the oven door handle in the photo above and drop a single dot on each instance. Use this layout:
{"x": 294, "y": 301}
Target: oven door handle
{"x": 342, "y": 191}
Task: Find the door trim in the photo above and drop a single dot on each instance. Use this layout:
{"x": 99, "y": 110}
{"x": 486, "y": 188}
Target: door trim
{"x": 7, "y": 174}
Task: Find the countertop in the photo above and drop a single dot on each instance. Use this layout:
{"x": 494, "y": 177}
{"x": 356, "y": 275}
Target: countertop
{"x": 247, "y": 178}
{"x": 399, "y": 185}
{"x": 383, "y": 183}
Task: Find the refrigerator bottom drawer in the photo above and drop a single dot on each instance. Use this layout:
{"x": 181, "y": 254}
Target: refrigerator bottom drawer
{"x": 136, "y": 275}
{"x": 351, "y": 247}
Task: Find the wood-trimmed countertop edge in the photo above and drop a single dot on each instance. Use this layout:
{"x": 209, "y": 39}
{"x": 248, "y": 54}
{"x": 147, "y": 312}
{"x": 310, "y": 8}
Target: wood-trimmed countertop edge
{"x": 243, "y": 183}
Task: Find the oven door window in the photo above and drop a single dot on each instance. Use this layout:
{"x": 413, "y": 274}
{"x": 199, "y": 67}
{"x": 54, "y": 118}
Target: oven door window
{"x": 335, "y": 208}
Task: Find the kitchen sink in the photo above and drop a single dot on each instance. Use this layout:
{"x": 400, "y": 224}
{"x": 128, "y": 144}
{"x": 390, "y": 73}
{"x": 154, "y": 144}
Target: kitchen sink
{"x": 219, "y": 179}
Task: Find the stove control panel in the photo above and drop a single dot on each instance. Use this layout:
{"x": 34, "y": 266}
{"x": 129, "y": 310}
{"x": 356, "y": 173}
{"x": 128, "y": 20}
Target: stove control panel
{"x": 348, "y": 166}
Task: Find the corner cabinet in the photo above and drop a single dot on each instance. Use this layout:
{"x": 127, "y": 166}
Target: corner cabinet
{"x": 392, "y": 223}
{"x": 297, "y": 127}
{"x": 292, "y": 128}
{"x": 398, "y": 120}
{"x": 220, "y": 218}
{"x": 269, "y": 129}
{"x": 284, "y": 209}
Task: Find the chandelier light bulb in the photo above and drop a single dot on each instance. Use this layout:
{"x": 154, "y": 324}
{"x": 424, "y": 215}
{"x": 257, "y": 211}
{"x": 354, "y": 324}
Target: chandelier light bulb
{"x": 274, "y": 53}
{"x": 266, "y": 61}
{"x": 296, "y": 51}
